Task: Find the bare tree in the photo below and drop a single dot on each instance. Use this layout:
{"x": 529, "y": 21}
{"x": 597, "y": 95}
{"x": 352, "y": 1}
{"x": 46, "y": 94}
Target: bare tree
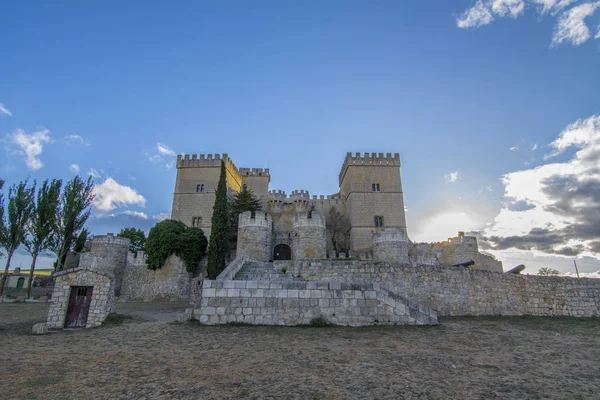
{"x": 338, "y": 228}
{"x": 41, "y": 223}
{"x": 20, "y": 208}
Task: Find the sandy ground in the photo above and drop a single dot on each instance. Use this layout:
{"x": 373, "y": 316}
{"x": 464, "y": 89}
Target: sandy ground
{"x": 150, "y": 357}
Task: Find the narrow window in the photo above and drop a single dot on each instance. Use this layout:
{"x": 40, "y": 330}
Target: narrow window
{"x": 202, "y": 188}
{"x": 196, "y": 222}
{"x": 377, "y": 187}
{"x": 378, "y": 221}
{"x": 373, "y": 187}
{"x": 197, "y": 188}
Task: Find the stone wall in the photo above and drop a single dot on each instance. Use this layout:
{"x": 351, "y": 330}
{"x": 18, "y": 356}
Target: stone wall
{"x": 141, "y": 283}
{"x": 109, "y": 253}
{"x": 308, "y": 237}
{"x": 102, "y": 302}
{"x": 458, "y": 291}
{"x": 296, "y": 303}
{"x": 254, "y": 235}
{"x": 390, "y": 244}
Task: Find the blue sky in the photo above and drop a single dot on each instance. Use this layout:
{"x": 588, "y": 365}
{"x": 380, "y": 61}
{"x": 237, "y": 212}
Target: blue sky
{"x": 452, "y": 86}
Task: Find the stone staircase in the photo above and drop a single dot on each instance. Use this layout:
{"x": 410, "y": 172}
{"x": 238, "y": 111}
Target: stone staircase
{"x": 261, "y": 271}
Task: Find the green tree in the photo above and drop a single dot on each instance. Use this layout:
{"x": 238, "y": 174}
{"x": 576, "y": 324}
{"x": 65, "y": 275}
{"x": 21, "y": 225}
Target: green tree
{"x": 73, "y": 212}
{"x": 192, "y": 247}
{"x": 21, "y": 202}
{"x": 244, "y": 200}
{"x": 173, "y": 237}
{"x": 338, "y": 226}
{"x": 41, "y": 223}
{"x": 79, "y": 244}
{"x": 545, "y": 271}
{"x": 217, "y": 246}
{"x": 137, "y": 238}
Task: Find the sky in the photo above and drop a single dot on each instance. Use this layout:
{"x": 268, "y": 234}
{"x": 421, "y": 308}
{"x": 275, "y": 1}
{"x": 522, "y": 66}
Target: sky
{"x": 493, "y": 106}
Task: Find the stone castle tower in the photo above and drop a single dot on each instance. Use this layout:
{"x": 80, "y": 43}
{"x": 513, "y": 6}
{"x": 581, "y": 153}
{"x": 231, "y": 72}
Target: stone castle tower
{"x": 370, "y": 196}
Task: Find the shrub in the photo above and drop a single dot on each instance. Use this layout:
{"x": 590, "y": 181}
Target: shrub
{"x": 173, "y": 237}
{"x": 284, "y": 270}
{"x": 320, "y": 322}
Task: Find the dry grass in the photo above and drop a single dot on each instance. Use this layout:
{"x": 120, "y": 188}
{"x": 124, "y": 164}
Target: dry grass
{"x": 465, "y": 358}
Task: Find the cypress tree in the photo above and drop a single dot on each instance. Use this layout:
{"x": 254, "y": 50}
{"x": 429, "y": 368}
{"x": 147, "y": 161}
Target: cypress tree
{"x": 217, "y": 245}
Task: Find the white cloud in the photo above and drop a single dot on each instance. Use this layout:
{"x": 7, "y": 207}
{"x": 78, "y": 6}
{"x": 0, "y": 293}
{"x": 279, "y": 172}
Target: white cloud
{"x": 444, "y": 225}
{"x": 452, "y": 176}
{"x": 136, "y": 214}
{"x": 514, "y": 148}
{"x": 75, "y": 139}
{"x": 570, "y": 28}
{"x": 31, "y": 146}
{"x": 110, "y": 195}
{"x": 534, "y": 147}
{"x": 94, "y": 173}
{"x": 165, "y": 150}
{"x": 161, "y": 216}
{"x": 476, "y": 16}
{"x": 553, "y": 208}
{"x": 74, "y": 168}
{"x": 4, "y": 111}
{"x": 161, "y": 152}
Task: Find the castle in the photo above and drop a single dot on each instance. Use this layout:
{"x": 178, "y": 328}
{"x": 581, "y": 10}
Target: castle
{"x": 285, "y": 272}
{"x": 293, "y": 227}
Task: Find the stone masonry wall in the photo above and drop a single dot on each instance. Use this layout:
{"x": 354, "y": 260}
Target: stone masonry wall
{"x": 296, "y": 303}
{"x": 390, "y": 244}
{"x": 456, "y": 291}
{"x": 308, "y": 237}
{"x": 141, "y": 283}
{"x": 254, "y": 235}
{"x": 102, "y": 301}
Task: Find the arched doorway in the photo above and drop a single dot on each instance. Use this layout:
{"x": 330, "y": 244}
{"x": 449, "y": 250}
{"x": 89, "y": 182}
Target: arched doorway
{"x": 20, "y": 283}
{"x": 282, "y": 252}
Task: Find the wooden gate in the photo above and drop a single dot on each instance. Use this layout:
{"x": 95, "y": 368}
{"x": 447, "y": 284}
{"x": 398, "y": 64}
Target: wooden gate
{"x": 79, "y": 306}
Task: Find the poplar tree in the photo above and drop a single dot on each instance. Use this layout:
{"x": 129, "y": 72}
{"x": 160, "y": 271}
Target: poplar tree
{"x": 41, "y": 223}
{"x": 20, "y": 207}
{"x": 217, "y": 245}
{"x": 337, "y": 226}
{"x": 73, "y": 212}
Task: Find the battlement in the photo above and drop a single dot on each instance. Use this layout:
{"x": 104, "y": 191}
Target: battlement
{"x": 300, "y": 195}
{"x": 302, "y": 220}
{"x": 255, "y": 172}
{"x": 369, "y": 159}
{"x": 257, "y": 218}
{"x": 277, "y": 195}
{"x": 204, "y": 160}
{"x": 108, "y": 239}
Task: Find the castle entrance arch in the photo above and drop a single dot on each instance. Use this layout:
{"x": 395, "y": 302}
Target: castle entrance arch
{"x": 282, "y": 252}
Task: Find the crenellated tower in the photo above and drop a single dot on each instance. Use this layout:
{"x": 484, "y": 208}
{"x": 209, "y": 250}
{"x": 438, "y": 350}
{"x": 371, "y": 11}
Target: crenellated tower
{"x": 195, "y": 187}
{"x": 371, "y": 186}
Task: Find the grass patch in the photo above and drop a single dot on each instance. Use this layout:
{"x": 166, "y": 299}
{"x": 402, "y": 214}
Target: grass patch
{"x": 116, "y": 319}
{"x": 40, "y": 381}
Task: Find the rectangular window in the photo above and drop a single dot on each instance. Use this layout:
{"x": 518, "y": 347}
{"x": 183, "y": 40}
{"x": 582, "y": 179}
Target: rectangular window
{"x": 375, "y": 187}
{"x": 200, "y": 188}
{"x": 378, "y": 221}
{"x": 196, "y": 221}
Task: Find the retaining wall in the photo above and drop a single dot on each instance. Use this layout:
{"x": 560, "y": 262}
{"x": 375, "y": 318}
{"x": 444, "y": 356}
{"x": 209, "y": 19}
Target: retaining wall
{"x": 296, "y": 303}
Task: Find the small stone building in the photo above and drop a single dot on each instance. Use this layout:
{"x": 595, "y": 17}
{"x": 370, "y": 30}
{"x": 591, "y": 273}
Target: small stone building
{"x": 85, "y": 295}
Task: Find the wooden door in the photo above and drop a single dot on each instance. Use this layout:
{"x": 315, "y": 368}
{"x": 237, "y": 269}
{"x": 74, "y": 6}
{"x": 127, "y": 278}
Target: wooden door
{"x": 282, "y": 252}
{"x": 79, "y": 306}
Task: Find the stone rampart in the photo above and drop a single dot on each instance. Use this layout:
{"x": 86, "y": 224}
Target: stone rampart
{"x": 390, "y": 244}
{"x": 459, "y": 291}
{"x": 141, "y": 283}
{"x": 107, "y": 253}
{"x": 296, "y": 303}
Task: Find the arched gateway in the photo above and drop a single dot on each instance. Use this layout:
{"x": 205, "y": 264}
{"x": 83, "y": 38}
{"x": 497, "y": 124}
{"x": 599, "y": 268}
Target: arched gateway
{"x": 282, "y": 252}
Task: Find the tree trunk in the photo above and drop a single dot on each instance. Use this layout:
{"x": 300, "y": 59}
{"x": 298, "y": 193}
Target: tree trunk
{"x": 28, "y": 294}
{"x": 3, "y": 282}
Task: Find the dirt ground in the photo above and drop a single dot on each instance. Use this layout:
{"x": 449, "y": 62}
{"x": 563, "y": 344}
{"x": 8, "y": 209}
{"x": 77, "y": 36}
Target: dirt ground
{"x": 147, "y": 356}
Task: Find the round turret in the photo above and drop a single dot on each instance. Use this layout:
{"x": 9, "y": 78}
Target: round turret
{"x": 391, "y": 245}
{"x": 254, "y": 235}
{"x": 309, "y": 239}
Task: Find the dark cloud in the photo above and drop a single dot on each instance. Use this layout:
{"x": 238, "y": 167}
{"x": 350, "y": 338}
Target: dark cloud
{"x": 520, "y": 205}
